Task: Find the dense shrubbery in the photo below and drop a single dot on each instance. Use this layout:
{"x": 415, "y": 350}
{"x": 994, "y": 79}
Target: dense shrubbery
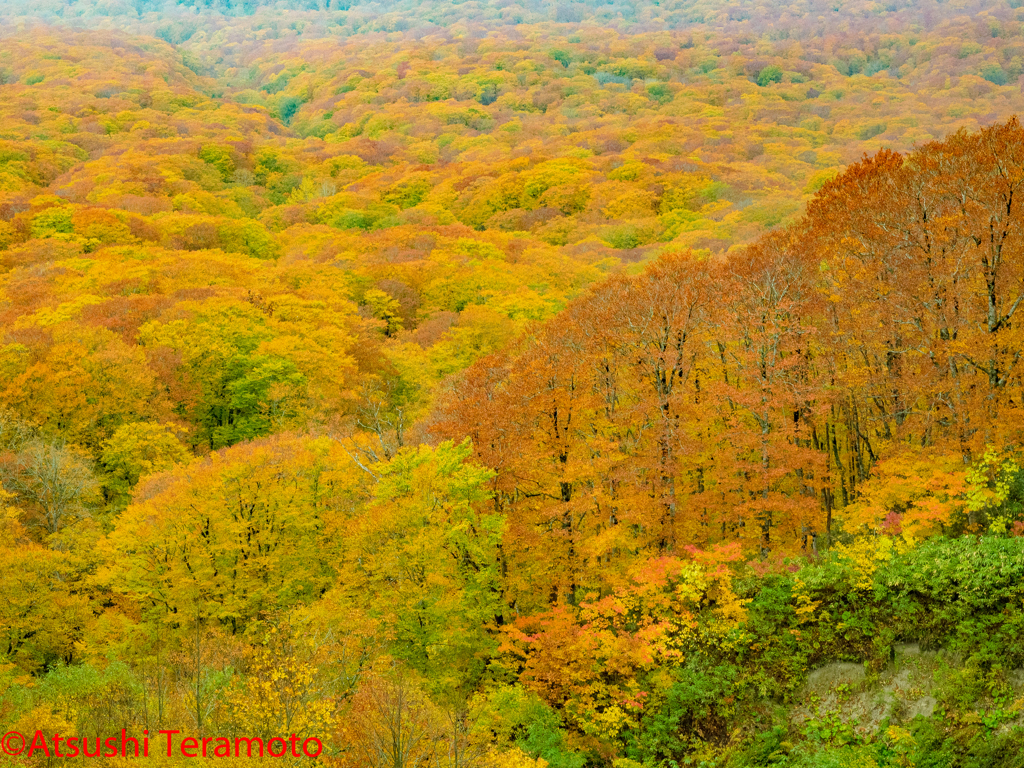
{"x": 964, "y": 596}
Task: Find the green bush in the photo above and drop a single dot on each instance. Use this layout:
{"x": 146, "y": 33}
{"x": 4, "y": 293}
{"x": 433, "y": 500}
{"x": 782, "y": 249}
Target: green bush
{"x": 994, "y": 74}
{"x": 695, "y": 709}
{"x": 768, "y": 75}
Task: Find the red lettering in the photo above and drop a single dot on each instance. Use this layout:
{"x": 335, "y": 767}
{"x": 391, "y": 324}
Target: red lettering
{"x": 56, "y": 746}
{"x": 284, "y": 747}
{"x": 125, "y": 738}
{"x": 169, "y": 740}
{"x": 38, "y": 742}
{"x": 192, "y": 744}
{"x": 319, "y": 747}
{"x": 72, "y": 743}
{"x": 248, "y": 746}
{"x": 85, "y": 748}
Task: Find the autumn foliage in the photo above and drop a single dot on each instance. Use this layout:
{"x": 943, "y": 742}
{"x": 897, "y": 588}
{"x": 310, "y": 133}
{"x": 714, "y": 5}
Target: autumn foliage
{"x": 495, "y": 386}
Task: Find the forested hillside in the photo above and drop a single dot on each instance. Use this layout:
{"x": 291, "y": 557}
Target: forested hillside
{"x": 508, "y": 385}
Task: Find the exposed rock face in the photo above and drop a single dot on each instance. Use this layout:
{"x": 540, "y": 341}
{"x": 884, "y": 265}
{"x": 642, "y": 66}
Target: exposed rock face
{"x": 908, "y": 688}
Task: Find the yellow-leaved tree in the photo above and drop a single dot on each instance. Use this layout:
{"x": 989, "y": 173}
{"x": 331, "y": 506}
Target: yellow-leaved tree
{"x": 228, "y": 537}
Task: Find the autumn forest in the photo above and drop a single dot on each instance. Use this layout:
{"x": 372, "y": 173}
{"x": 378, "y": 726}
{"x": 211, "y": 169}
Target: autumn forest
{"x": 511, "y": 384}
